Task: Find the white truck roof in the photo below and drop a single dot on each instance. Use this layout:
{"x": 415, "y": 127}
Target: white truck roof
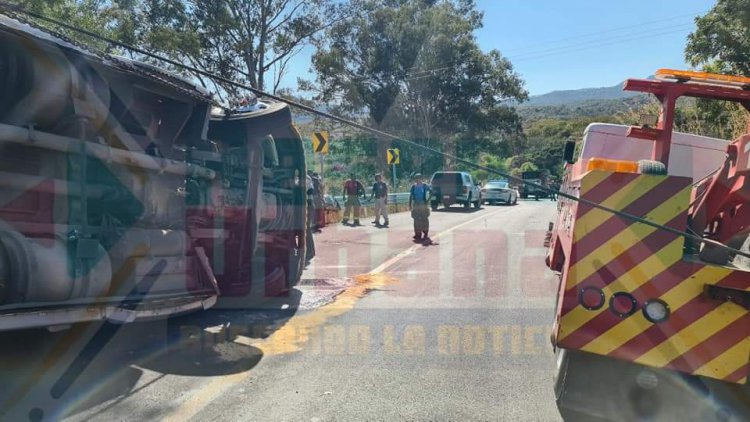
{"x": 690, "y": 155}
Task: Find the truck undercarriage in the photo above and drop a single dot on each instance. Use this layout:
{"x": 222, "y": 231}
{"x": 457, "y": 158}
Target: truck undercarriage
{"x": 125, "y": 194}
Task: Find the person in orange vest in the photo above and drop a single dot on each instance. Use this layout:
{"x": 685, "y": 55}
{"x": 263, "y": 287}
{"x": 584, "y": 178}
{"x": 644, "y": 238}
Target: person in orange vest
{"x": 353, "y": 190}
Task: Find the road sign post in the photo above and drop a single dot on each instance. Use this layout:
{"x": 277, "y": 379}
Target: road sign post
{"x": 393, "y": 175}
{"x": 393, "y": 157}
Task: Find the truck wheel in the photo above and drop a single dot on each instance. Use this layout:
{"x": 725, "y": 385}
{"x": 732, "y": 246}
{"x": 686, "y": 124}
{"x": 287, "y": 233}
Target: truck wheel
{"x": 536, "y": 197}
{"x": 467, "y": 204}
{"x": 524, "y": 196}
{"x": 434, "y": 205}
{"x": 571, "y": 364}
{"x": 477, "y": 204}
{"x": 651, "y": 167}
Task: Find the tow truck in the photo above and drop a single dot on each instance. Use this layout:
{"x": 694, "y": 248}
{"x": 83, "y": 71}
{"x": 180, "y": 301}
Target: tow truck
{"x": 650, "y": 245}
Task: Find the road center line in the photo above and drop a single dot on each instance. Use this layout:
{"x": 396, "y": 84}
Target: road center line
{"x": 394, "y": 260}
{"x": 204, "y": 396}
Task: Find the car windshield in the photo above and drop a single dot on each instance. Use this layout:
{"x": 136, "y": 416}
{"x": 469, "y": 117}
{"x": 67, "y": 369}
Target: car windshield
{"x": 376, "y": 210}
{"x": 497, "y": 185}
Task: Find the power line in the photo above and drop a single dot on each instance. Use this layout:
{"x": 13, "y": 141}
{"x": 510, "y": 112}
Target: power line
{"x": 373, "y": 131}
{"x": 598, "y": 33}
{"x": 563, "y": 49}
{"x": 602, "y": 42}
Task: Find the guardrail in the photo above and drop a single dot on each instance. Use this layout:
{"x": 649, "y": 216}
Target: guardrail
{"x": 397, "y": 202}
{"x": 393, "y": 198}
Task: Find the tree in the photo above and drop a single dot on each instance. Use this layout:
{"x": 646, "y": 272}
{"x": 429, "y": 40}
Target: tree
{"x": 107, "y": 18}
{"x": 414, "y": 67}
{"x": 722, "y": 37}
{"x": 248, "y": 41}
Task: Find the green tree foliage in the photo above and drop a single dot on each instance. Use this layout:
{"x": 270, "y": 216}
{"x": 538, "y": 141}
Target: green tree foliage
{"x": 248, "y": 41}
{"x": 414, "y": 67}
{"x": 112, "y": 19}
{"x": 722, "y": 38}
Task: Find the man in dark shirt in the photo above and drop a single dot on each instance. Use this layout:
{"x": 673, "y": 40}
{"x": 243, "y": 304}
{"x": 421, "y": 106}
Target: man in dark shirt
{"x": 420, "y": 209}
{"x": 353, "y": 189}
{"x": 380, "y": 194}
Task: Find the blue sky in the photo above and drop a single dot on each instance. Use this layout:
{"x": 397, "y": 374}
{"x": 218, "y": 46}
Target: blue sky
{"x": 569, "y": 44}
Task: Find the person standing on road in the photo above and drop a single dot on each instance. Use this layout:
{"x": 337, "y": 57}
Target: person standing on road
{"x": 419, "y": 207}
{"x": 319, "y": 202}
{"x": 353, "y": 190}
{"x": 380, "y": 194}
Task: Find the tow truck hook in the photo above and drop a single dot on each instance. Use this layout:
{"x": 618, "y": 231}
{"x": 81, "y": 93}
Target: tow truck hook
{"x": 728, "y": 294}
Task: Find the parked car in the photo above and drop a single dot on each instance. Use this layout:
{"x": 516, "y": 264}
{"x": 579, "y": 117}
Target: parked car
{"x": 454, "y": 187}
{"x": 538, "y": 178}
{"x": 495, "y": 191}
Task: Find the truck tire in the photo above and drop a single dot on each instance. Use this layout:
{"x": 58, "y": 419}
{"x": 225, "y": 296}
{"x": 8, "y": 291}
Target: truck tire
{"x": 524, "y": 196}
{"x": 434, "y": 205}
{"x": 467, "y": 204}
{"x": 651, "y": 167}
{"x": 477, "y": 204}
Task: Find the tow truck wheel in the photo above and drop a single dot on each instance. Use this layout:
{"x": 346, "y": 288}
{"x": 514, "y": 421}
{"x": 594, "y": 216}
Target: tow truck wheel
{"x": 572, "y": 365}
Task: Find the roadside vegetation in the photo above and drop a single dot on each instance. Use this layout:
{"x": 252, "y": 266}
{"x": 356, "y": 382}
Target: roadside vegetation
{"x": 382, "y": 63}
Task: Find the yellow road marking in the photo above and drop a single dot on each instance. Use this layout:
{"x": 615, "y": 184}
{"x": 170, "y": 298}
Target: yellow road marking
{"x": 298, "y": 328}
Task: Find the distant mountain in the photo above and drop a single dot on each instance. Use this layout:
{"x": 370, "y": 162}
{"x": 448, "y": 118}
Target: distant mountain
{"x": 585, "y": 102}
{"x": 574, "y": 96}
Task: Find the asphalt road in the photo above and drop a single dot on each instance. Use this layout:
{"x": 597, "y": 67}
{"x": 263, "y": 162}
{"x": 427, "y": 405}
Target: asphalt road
{"x": 380, "y": 328}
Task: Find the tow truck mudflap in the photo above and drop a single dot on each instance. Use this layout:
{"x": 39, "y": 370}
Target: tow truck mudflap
{"x": 47, "y": 318}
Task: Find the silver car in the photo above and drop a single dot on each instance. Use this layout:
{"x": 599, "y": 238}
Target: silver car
{"x": 496, "y": 191}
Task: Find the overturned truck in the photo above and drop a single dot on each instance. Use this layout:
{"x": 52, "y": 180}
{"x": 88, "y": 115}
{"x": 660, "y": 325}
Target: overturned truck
{"x": 126, "y": 193}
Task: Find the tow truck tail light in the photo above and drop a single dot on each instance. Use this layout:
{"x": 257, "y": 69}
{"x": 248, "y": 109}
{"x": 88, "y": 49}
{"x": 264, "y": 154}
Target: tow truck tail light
{"x": 591, "y": 298}
{"x": 620, "y": 166}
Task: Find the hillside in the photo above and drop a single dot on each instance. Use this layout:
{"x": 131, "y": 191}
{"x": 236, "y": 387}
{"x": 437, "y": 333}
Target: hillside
{"x": 574, "y": 96}
{"x": 585, "y": 102}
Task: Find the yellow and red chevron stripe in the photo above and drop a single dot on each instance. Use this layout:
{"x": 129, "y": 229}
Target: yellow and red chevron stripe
{"x": 613, "y": 254}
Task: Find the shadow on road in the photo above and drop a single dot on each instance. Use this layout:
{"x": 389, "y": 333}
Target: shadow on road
{"x": 48, "y": 376}
{"x": 459, "y": 210}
